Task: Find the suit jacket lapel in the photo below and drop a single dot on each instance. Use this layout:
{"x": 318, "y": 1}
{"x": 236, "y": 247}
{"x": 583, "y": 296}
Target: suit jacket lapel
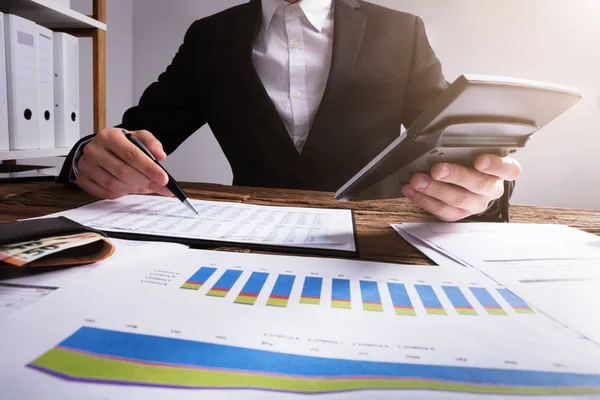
{"x": 246, "y": 31}
{"x": 349, "y": 28}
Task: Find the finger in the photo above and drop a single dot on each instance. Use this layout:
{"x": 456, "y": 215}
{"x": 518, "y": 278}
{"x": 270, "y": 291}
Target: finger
{"x": 153, "y": 144}
{"x": 102, "y": 178}
{"x": 470, "y": 179}
{"x": 505, "y": 168}
{"x": 132, "y": 156}
{"x": 452, "y": 195}
{"x": 94, "y": 189}
{"x": 438, "y": 208}
{"x": 98, "y": 158}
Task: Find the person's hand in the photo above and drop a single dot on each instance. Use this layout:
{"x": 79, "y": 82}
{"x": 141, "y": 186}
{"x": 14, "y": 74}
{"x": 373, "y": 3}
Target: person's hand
{"x": 453, "y": 192}
{"x": 112, "y": 166}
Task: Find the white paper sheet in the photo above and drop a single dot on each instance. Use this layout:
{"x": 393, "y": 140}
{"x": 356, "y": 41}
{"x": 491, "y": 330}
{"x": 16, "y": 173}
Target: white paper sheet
{"x": 18, "y": 293}
{"x": 167, "y": 303}
{"x": 439, "y": 258}
{"x": 124, "y": 249}
{"x": 556, "y": 268}
{"x": 222, "y": 221}
{"x": 493, "y": 241}
{"x": 16, "y": 297}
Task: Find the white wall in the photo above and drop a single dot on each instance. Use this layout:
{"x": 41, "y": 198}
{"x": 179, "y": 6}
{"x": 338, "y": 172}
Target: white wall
{"x": 549, "y": 40}
{"x": 158, "y": 30}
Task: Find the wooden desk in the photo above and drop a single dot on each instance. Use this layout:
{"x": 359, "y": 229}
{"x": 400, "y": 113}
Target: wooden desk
{"x": 376, "y": 239}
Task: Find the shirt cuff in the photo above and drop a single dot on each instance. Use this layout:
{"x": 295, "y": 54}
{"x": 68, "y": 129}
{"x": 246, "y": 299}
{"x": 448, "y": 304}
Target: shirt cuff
{"x": 78, "y": 154}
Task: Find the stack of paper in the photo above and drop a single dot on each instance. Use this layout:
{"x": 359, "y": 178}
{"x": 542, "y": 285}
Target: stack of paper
{"x": 554, "y": 267}
{"x": 200, "y": 323}
{"x": 171, "y": 322}
{"x": 316, "y": 230}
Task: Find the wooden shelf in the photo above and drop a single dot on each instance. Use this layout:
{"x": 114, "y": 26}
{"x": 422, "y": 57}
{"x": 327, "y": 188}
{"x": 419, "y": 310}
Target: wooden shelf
{"x": 50, "y": 14}
{"x": 37, "y": 153}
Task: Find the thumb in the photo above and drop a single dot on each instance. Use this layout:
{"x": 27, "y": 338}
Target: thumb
{"x": 151, "y": 143}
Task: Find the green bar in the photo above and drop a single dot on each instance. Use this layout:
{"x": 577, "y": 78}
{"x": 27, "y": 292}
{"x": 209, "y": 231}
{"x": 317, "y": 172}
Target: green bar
{"x": 192, "y": 286}
{"x": 278, "y": 302}
{"x": 405, "y": 311}
{"x": 245, "y": 300}
{"x": 466, "y": 311}
{"x": 81, "y": 366}
{"x": 308, "y": 300}
{"x": 524, "y": 311}
{"x": 372, "y": 307}
{"x": 341, "y": 304}
{"x": 217, "y": 293}
{"x": 496, "y": 311}
{"x": 435, "y": 311}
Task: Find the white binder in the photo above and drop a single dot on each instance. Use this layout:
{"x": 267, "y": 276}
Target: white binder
{"x": 45, "y": 75}
{"x": 66, "y": 89}
{"x": 4, "y": 144}
{"x": 22, "y": 83}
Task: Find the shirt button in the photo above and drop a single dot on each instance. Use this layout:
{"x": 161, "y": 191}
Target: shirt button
{"x": 291, "y": 9}
{"x": 299, "y": 143}
{"x": 295, "y": 44}
{"x": 296, "y": 94}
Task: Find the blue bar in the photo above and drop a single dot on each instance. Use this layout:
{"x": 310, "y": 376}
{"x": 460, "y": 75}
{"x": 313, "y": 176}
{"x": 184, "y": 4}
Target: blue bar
{"x": 283, "y": 285}
{"x": 179, "y": 352}
{"x": 428, "y": 296}
{"x": 512, "y": 299}
{"x": 228, "y": 279}
{"x": 484, "y": 297}
{"x": 255, "y": 283}
{"x": 312, "y": 287}
{"x": 340, "y": 289}
{"x": 456, "y": 297}
{"x": 202, "y": 275}
{"x": 370, "y": 292}
{"x": 399, "y": 295}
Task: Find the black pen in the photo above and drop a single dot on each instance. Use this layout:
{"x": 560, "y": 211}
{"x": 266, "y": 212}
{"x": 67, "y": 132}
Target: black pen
{"x": 172, "y": 185}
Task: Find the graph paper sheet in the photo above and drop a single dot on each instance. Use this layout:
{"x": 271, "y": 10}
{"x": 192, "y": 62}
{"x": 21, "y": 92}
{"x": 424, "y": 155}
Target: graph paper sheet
{"x": 556, "y": 267}
{"x": 199, "y": 324}
{"x": 222, "y": 222}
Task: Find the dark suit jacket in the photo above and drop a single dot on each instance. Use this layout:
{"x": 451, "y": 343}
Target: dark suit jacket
{"x": 383, "y": 74}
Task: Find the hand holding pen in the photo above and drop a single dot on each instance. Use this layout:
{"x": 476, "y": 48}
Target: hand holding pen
{"x": 112, "y": 166}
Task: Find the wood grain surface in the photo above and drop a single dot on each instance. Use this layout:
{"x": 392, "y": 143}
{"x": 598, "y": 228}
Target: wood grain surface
{"x": 377, "y": 241}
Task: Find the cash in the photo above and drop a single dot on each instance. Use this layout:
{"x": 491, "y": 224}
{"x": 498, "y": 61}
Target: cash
{"x": 20, "y": 254}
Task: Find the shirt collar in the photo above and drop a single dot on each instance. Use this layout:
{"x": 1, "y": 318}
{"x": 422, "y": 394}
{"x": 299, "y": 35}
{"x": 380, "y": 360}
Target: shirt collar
{"x": 316, "y": 11}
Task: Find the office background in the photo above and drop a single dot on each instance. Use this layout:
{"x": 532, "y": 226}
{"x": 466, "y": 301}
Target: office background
{"x": 547, "y": 40}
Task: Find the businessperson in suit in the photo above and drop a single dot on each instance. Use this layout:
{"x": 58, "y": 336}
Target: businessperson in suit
{"x": 299, "y": 94}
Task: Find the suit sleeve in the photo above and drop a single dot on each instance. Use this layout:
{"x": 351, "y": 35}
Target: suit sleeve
{"x": 170, "y": 108}
{"x": 426, "y": 83}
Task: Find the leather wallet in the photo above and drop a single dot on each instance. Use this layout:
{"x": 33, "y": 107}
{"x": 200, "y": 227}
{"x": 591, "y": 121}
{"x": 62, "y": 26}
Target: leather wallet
{"x": 51, "y": 242}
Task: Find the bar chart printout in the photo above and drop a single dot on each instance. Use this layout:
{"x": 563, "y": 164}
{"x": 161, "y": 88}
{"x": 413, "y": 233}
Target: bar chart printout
{"x": 487, "y": 301}
{"x": 517, "y": 303}
{"x": 311, "y": 291}
{"x": 225, "y": 283}
{"x": 252, "y": 288}
{"x": 430, "y": 300}
{"x": 371, "y": 299}
{"x": 196, "y": 281}
{"x": 280, "y": 296}
{"x": 459, "y": 301}
{"x": 101, "y": 356}
{"x": 340, "y": 294}
{"x": 401, "y": 300}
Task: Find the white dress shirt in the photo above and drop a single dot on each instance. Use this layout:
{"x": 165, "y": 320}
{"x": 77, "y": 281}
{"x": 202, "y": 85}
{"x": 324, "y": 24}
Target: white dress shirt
{"x": 292, "y": 55}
